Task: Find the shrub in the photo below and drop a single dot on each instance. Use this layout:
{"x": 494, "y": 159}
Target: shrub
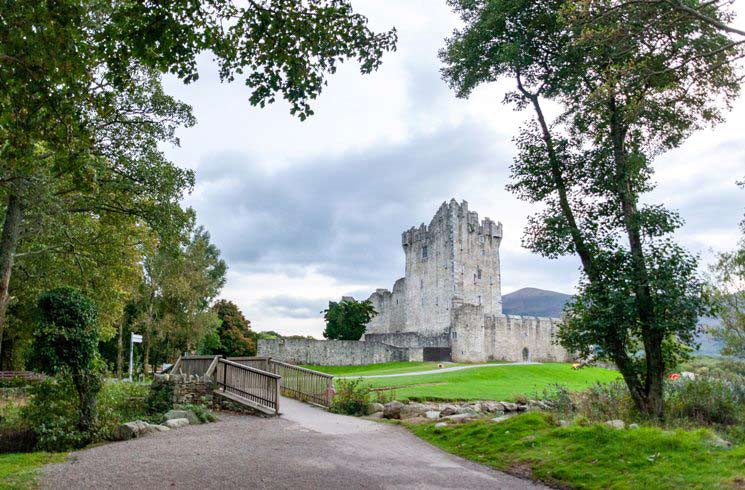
{"x": 66, "y": 343}
{"x": 605, "y": 401}
{"x": 352, "y": 397}
{"x": 53, "y": 415}
{"x": 159, "y": 399}
{"x": 119, "y": 402}
{"x": 203, "y": 414}
{"x": 707, "y": 401}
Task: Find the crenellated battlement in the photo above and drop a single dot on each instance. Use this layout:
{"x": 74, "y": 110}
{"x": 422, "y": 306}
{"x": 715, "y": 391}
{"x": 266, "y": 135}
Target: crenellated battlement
{"x": 449, "y": 218}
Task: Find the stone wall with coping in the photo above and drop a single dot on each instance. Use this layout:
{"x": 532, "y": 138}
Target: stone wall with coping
{"x": 476, "y": 337}
{"x": 331, "y": 352}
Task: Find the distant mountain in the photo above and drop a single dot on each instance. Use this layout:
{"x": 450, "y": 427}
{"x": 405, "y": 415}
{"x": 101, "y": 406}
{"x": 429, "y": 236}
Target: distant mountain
{"x": 534, "y": 302}
{"x": 540, "y": 302}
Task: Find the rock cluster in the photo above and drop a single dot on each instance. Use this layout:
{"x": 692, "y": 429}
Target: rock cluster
{"x": 453, "y": 412}
{"x": 173, "y": 420}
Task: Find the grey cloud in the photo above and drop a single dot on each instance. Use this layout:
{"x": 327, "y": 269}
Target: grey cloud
{"x": 293, "y": 307}
{"x": 343, "y": 215}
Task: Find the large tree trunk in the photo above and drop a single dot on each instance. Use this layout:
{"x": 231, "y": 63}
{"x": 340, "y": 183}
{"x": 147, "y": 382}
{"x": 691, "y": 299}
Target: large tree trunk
{"x": 8, "y": 245}
{"x": 653, "y": 401}
{"x": 120, "y": 350}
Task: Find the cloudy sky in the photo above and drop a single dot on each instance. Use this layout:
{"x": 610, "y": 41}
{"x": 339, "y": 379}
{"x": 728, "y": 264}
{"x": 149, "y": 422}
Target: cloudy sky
{"x": 305, "y": 212}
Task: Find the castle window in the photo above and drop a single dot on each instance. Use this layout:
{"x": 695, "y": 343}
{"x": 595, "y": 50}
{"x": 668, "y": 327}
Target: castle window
{"x": 422, "y": 301}
{"x": 421, "y": 283}
{"x": 425, "y": 252}
{"x": 478, "y": 272}
{"x": 479, "y": 299}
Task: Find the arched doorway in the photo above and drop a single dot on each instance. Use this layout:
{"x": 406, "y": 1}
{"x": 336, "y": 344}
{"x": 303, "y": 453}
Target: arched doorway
{"x": 526, "y": 354}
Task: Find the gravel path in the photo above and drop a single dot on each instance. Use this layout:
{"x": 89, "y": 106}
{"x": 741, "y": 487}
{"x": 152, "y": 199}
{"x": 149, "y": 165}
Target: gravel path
{"x": 306, "y": 448}
{"x": 441, "y": 370}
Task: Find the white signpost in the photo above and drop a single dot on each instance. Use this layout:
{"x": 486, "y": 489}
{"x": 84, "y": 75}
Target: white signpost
{"x": 134, "y": 339}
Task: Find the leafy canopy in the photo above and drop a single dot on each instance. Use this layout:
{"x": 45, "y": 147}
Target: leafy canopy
{"x": 347, "y": 319}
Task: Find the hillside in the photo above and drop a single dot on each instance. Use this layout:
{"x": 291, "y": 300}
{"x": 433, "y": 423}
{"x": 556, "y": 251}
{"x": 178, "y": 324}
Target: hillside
{"x": 540, "y": 302}
{"x": 534, "y": 302}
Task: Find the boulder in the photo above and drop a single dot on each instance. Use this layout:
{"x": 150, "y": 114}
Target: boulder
{"x": 633, "y": 426}
{"x": 159, "y": 428}
{"x": 465, "y": 410}
{"x": 183, "y": 414}
{"x": 392, "y": 410}
{"x": 616, "y": 424}
{"x": 176, "y": 423}
{"x": 461, "y": 417}
{"x": 374, "y": 408}
{"x": 510, "y": 407}
{"x": 130, "y": 430}
{"x": 564, "y": 423}
{"x": 375, "y": 416}
{"x": 492, "y": 407}
{"x": 440, "y": 425}
{"x": 412, "y": 410}
{"x": 446, "y": 410}
{"x": 432, "y": 414}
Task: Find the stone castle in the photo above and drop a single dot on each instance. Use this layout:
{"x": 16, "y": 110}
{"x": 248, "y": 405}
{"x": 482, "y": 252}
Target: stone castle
{"x": 448, "y": 307}
{"x": 449, "y": 304}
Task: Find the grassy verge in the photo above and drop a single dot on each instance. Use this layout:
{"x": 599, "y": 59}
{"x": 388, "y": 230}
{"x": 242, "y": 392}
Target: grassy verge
{"x": 594, "y": 456}
{"x": 378, "y": 369}
{"x": 503, "y": 383}
{"x": 19, "y": 470}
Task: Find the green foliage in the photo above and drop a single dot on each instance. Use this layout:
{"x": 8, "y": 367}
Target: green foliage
{"x": 632, "y": 80}
{"x": 728, "y": 286}
{"x": 352, "y": 397}
{"x": 119, "y": 402}
{"x": 592, "y": 456}
{"x": 235, "y": 336}
{"x": 159, "y": 399}
{"x": 66, "y": 344}
{"x": 54, "y": 414}
{"x": 707, "y": 401}
{"x": 347, "y": 319}
{"x": 203, "y": 413}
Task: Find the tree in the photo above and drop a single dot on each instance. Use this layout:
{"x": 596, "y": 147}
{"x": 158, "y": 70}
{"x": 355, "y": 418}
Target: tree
{"x": 69, "y": 68}
{"x": 173, "y": 304}
{"x": 66, "y": 343}
{"x": 347, "y": 319}
{"x": 234, "y": 332}
{"x": 729, "y": 293}
{"x": 633, "y": 80}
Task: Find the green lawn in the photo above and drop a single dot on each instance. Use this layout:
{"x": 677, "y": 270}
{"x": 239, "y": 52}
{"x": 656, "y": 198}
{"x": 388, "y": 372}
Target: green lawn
{"x": 492, "y": 383}
{"x": 383, "y": 368}
{"x": 595, "y": 456}
{"x": 19, "y": 470}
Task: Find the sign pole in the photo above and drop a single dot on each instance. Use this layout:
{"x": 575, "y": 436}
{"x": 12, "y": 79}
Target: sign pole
{"x": 133, "y": 339}
{"x": 131, "y": 354}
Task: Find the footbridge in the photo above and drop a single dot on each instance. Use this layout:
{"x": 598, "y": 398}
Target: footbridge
{"x": 258, "y": 382}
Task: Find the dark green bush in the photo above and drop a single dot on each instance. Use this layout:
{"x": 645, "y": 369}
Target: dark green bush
{"x": 159, "y": 399}
{"x": 53, "y": 414}
{"x": 352, "y": 397}
{"x": 66, "y": 344}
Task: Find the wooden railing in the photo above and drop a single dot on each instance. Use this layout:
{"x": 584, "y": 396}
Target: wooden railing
{"x": 253, "y": 385}
{"x": 195, "y": 365}
{"x": 256, "y": 362}
{"x": 304, "y": 384}
{"x": 27, "y": 375}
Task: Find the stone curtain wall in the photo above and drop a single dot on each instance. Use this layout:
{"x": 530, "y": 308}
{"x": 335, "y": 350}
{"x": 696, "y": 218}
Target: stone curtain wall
{"x": 476, "y": 337}
{"x": 331, "y": 352}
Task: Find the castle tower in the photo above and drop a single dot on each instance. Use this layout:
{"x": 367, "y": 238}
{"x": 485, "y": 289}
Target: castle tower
{"x": 456, "y": 257}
